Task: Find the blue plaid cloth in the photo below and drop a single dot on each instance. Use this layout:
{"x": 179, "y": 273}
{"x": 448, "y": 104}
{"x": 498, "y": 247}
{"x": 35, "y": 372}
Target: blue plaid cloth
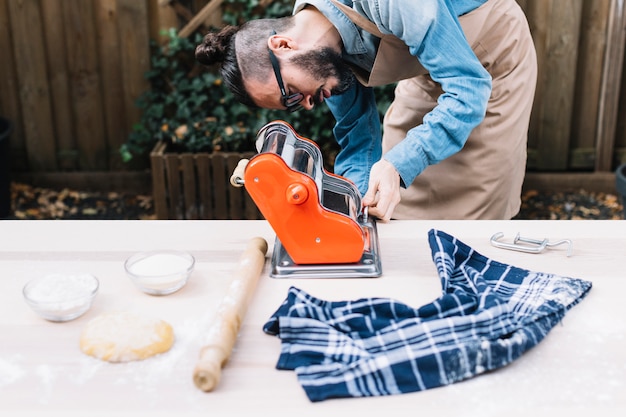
{"x": 488, "y": 315}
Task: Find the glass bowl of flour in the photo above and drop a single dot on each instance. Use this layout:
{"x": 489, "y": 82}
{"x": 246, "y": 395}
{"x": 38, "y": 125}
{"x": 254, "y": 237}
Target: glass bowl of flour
{"x": 160, "y": 272}
{"x": 61, "y": 297}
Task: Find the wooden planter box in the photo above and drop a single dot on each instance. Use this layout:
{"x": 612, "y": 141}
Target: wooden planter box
{"x": 197, "y": 186}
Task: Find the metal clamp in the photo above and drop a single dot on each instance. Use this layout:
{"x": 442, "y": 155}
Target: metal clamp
{"x": 523, "y": 244}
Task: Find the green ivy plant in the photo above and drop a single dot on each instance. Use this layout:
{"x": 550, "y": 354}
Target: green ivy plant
{"x": 188, "y": 106}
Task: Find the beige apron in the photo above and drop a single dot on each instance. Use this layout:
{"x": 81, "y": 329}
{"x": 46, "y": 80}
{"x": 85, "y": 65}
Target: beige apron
{"x": 483, "y": 180}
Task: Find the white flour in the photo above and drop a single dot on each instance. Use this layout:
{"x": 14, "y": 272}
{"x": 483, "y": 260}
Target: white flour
{"x": 160, "y": 264}
{"x": 60, "y": 293}
{"x": 10, "y": 370}
{"x": 160, "y": 271}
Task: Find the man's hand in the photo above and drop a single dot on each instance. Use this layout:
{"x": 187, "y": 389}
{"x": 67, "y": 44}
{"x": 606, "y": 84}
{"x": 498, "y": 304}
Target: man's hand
{"x": 383, "y": 193}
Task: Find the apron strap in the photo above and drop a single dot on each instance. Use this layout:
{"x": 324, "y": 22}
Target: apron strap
{"x": 393, "y": 60}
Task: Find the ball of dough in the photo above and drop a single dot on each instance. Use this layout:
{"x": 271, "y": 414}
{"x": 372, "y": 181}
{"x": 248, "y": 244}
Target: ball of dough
{"x": 125, "y": 337}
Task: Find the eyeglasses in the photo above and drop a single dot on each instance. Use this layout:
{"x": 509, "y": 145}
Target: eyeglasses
{"x": 290, "y": 101}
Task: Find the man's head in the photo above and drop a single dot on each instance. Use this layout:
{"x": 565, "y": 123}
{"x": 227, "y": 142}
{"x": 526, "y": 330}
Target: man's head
{"x": 309, "y": 73}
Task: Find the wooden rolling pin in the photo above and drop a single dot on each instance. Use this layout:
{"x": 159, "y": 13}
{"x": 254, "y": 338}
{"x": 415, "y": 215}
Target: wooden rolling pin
{"x": 230, "y": 314}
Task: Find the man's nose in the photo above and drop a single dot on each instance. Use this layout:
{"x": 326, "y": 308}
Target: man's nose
{"x": 307, "y": 102}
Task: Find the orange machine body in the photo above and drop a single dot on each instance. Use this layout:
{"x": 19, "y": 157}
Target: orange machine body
{"x": 289, "y": 201}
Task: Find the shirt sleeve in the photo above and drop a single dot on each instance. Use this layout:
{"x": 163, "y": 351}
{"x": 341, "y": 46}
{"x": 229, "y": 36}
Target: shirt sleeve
{"x": 358, "y": 133}
{"x": 433, "y": 34}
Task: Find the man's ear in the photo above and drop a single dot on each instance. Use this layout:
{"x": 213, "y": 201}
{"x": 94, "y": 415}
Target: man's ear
{"x": 281, "y": 43}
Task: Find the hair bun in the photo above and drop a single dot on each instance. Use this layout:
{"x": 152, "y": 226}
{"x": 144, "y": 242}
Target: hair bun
{"x": 215, "y": 46}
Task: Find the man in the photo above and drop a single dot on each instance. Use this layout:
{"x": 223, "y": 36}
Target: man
{"x": 454, "y": 138}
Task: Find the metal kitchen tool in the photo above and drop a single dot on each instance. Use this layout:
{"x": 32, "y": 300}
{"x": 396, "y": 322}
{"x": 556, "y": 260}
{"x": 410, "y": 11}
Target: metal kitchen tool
{"x": 321, "y": 231}
{"x": 528, "y": 245}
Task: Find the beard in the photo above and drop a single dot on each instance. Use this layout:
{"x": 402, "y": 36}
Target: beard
{"x": 323, "y": 64}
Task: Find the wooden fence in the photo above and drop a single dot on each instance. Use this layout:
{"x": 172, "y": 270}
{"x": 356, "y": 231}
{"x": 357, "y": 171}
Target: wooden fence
{"x": 71, "y": 70}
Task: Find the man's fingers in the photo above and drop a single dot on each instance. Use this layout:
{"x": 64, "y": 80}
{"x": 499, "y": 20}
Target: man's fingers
{"x": 383, "y": 193}
{"x": 382, "y": 208}
{"x": 383, "y": 217}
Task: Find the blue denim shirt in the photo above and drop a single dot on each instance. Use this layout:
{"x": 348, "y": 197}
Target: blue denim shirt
{"x": 431, "y": 30}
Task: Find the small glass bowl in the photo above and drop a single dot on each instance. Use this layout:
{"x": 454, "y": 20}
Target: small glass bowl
{"x": 160, "y": 272}
{"x": 61, "y": 297}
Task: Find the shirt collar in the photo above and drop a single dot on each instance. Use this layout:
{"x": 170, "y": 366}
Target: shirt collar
{"x": 350, "y": 34}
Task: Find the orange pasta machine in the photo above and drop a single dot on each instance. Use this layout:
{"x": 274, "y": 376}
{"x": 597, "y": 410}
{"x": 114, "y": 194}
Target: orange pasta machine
{"x": 321, "y": 229}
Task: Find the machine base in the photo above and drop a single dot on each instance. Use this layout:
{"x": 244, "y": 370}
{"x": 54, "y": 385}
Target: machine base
{"x": 368, "y": 267}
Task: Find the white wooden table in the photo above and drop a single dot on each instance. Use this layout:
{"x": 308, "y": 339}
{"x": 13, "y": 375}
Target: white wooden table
{"x": 580, "y": 366}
